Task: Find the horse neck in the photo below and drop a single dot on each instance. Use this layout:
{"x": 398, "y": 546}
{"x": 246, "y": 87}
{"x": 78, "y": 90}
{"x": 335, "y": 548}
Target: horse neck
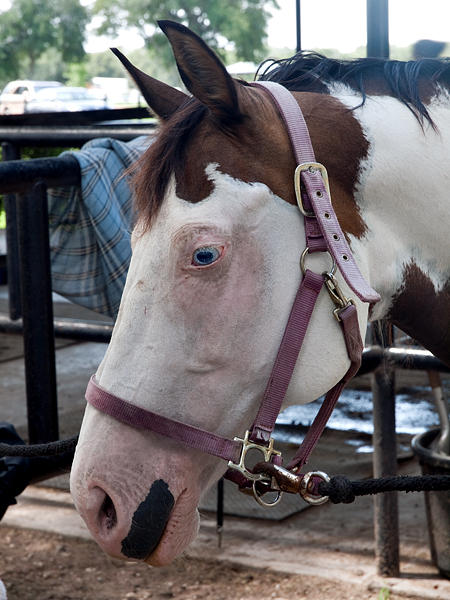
{"x": 402, "y": 195}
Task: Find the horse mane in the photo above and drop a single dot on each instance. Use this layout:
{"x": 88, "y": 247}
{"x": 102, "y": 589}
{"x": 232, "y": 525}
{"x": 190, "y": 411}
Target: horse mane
{"x": 413, "y": 82}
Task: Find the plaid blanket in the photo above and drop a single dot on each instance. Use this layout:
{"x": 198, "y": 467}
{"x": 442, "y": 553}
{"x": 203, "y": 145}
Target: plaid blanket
{"x": 90, "y": 226}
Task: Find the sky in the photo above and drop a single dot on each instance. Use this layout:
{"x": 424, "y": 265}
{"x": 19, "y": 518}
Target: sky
{"x": 337, "y": 24}
{"x": 341, "y": 24}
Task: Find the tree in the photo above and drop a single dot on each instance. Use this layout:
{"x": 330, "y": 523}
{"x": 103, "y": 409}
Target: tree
{"x": 31, "y": 27}
{"x": 223, "y": 24}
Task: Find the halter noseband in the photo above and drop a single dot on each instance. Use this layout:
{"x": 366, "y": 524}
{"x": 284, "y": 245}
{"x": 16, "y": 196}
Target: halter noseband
{"x": 323, "y": 234}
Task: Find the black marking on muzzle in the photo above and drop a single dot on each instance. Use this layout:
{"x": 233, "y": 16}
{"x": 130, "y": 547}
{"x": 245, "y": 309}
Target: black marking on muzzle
{"x": 148, "y": 522}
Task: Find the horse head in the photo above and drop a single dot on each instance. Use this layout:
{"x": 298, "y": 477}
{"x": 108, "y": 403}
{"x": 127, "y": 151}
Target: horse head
{"x": 214, "y": 272}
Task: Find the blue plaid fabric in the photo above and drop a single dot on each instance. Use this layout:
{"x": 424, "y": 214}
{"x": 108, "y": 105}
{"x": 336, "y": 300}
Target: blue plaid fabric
{"x": 90, "y": 226}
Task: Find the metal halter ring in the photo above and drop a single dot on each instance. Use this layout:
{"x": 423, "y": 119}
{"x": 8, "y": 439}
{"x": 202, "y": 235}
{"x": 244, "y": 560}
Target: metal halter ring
{"x": 305, "y": 254}
{"x": 259, "y": 497}
{"x": 305, "y": 485}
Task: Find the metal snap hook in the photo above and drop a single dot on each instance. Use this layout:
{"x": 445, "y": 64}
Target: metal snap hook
{"x": 306, "y": 485}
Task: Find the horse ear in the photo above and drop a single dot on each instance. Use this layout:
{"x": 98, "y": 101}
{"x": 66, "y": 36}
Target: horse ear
{"x": 202, "y": 72}
{"x": 163, "y": 99}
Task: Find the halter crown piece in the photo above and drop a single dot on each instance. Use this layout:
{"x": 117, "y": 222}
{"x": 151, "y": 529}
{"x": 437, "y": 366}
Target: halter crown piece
{"x": 323, "y": 234}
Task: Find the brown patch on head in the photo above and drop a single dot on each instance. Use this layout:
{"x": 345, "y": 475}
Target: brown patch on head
{"x": 423, "y": 313}
{"x": 256, "y": 148}
{"x": 340, "y": 145}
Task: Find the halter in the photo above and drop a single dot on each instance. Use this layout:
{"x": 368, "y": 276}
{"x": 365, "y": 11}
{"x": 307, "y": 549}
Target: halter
{"x": 323, "y": 234}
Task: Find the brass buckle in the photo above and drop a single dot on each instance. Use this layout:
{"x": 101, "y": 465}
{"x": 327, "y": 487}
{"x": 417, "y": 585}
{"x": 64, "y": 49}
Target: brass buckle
{"x": 247, "y": 445}
{"x": 336, "y": 294}
{"x": 312, "y": 167}
{"x": 305, "y": 486}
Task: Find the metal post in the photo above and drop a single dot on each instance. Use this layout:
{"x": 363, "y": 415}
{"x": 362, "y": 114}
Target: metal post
{"x": 385, "y": 458}
{"x": 12, "y": 152}
{"x": 298, "y": 20}
{"x": 219, "y": 514}
{"x": 378, "y": 28}
{"x": 38, "y": 336}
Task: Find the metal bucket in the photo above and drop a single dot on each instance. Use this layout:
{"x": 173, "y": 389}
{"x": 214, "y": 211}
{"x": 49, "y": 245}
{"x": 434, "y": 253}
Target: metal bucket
{"x": 437, "y": 503}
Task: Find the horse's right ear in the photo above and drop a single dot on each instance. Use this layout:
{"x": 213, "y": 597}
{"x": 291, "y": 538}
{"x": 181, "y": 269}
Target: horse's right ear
{"x": 202, "y": 72}
{"x": 163, "y": 99}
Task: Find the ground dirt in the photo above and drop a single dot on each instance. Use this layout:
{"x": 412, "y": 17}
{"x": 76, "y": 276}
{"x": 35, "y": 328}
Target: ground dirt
{"x": 37, "y": 565}
{"x": 320, "y": 553}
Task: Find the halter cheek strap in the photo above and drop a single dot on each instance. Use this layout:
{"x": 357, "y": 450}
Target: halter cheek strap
{"x": 322, "y": 229}
{"x": 317, "y": 202}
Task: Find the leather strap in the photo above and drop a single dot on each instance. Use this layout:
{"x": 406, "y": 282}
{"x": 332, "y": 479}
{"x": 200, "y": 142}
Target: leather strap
{"x": 287, "y": 356}
{"x": 141, "y": 418}
{"x": 317, "y": 193}
{"x": 354, "y": 344}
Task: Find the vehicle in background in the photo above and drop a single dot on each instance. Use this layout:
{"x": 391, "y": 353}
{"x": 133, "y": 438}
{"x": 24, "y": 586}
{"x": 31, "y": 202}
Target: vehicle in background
{"x": 16, "y": 95}
{"x": 65, "y": 99}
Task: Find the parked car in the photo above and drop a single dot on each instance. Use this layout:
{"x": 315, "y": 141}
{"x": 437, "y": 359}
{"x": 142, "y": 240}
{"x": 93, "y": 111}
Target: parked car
{"x": 16, "y": 95}
{"x": 65, "y": 99}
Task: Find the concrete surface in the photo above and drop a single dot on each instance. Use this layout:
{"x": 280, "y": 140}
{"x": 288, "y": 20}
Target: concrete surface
{"x": 331, "y": 542}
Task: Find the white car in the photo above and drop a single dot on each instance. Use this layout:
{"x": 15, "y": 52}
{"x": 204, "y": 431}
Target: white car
{"x": 16, "y": 96}
{"x": 65, "y": 99}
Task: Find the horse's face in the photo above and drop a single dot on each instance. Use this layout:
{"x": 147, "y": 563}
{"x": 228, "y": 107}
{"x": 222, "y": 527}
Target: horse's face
{"x": 208, "y": 293}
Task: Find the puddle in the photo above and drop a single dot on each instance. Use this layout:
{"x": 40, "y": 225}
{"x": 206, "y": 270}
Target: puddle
{"x": 414, "y": 411}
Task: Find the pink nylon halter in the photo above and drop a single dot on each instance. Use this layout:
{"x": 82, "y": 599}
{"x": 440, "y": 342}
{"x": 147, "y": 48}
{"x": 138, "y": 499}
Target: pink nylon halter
{"x": 323, "y": 233}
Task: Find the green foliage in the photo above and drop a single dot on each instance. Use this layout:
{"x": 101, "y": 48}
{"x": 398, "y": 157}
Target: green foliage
{"x": 103, "y": 64}
{"x": 76, "y": 74}
{"x": 234, "y": 24}
{"x": 49, "y": 67}
{"x": 384, "y": 594}
{"x": 30, "y": 28}
{"x": 37, "y": 152}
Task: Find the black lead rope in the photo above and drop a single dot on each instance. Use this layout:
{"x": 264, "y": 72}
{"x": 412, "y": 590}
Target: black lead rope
{"x": 33, "y": 450}
{"x": 341, "y": 490}
{"x": 22, "y": 464}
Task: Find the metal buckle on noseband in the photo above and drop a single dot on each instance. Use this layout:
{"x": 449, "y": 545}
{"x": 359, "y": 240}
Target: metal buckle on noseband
{"x": 312, "y": 167}
{"x": 257, "y": 478}
{"x": 247, "y": 445}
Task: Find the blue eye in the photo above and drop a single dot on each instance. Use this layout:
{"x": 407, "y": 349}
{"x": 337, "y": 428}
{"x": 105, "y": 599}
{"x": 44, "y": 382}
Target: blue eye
{"x": 205, "y": 256}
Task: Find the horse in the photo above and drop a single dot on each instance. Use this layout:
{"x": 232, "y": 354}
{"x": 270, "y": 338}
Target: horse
{"x": 215, "y": 266}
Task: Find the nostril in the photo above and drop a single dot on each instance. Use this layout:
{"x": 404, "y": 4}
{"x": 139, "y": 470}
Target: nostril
{"x": 100, "y": 512}
{"x": 107, "y": 514}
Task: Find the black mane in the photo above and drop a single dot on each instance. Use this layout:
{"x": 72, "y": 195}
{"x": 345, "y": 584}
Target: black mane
{"x": 413, "y": 82}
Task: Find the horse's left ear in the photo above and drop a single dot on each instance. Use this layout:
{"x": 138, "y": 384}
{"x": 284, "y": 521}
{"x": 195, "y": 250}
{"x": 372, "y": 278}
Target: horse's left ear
{"x": 163, "y": 99}
{"x": 202, "y": 72}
